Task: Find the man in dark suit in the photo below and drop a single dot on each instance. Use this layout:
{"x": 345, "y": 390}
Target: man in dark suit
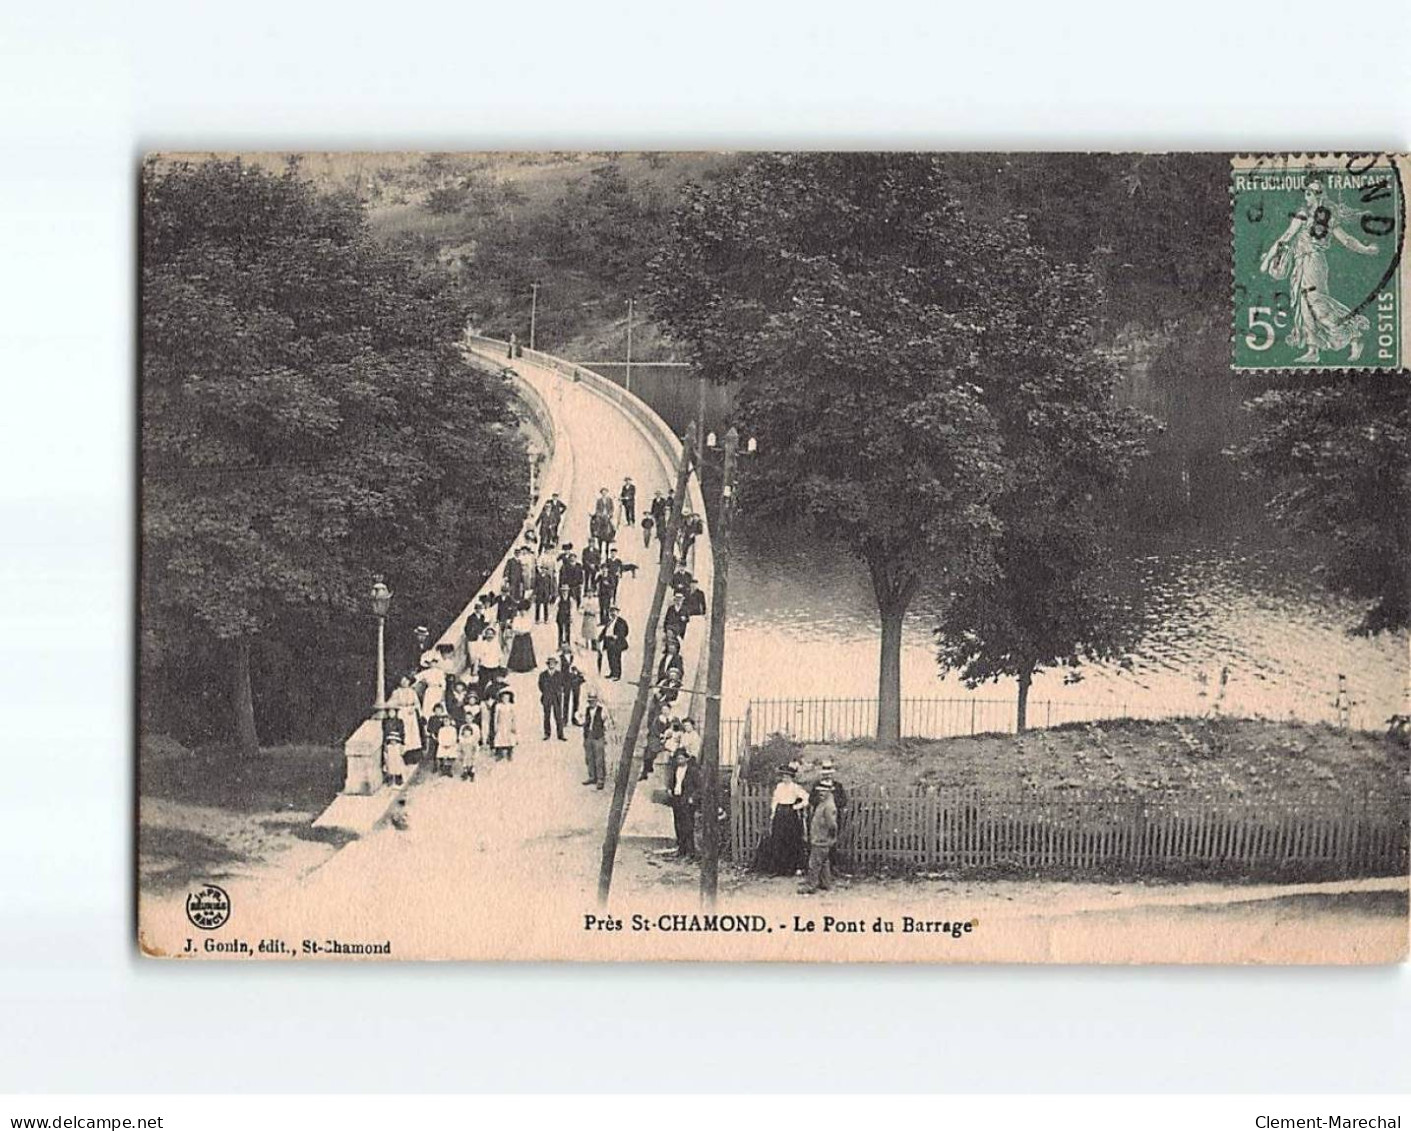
{"x": 557, "y": 508}
{"x": 551, "y": 697}
{"x": 661, "y": 509}
{"x": 628, "y": 497}
{"x": 573, "y": 680}
{"x": 592, "y": 559}
{"x": 676, "y": 618}
{"x": 563, "y": 618}
{"x": 571, "y": 577}
{"x": 695, "y": 601}
{"x": 684, "y": 793}
{"x": 613, "y": 641}
{"x": 475, "y": 624}
{"x": 613, "y": 566}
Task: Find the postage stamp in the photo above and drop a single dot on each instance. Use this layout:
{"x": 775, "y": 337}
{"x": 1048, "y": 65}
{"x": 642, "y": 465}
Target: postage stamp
{"x": 1320, "y": 274}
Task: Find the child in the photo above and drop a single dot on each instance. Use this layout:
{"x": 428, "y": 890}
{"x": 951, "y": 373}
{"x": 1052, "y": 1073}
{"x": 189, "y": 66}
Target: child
{"x": 467, "y": 746}
{"x": 394, "y": 769}
{"x": 443, "y": 738}
{"x": 506, "y": 726}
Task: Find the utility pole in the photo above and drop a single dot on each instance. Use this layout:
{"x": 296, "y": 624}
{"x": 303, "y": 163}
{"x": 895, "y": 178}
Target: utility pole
{"x": 533, "y": 311}
{"x": 626, "y": 778}
{"x": 629, "y": 346}
{"x": 710, "y": 747}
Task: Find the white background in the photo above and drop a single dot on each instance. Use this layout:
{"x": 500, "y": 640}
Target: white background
{"x": 85, "y": 87}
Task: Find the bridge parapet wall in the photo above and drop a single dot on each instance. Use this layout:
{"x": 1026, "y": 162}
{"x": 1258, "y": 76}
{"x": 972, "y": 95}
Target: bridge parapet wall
{"x": 668, "y": 447}
{"x": 362, "y": 750}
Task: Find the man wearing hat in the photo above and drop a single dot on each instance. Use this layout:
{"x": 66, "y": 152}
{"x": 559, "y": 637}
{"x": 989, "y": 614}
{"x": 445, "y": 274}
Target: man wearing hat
{"x": 613, "y": 640}
{"x": 840, "y": 797}
{"x": 571, "y": 575}
{"x": 684, "y": 793}
{"x": 676, "y": 618}
{"x": 628, "y": 497}
{"x": 551, "y": 698}
{"x": 596, "y": 721}
{"x": 421, "y": 643}
{"x": 822, "y": 836}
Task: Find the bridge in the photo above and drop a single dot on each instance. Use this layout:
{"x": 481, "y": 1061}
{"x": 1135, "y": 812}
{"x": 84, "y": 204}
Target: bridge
{"x": 587, "y": 433}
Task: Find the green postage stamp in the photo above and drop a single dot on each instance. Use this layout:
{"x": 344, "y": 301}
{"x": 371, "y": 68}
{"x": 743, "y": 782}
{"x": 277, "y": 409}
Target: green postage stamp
{"x": 1320, "y": 275}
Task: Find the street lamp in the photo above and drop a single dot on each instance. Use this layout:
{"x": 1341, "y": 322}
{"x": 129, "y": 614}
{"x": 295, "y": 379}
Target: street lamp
{"x": 381, "y": 600}
{"x": 533, "y": 311}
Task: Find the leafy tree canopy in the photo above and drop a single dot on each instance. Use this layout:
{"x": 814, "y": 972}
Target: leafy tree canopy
{"x": 1339, "y": 455}
{"x": 919, "y": 381}
{"x": 306, "y": 421}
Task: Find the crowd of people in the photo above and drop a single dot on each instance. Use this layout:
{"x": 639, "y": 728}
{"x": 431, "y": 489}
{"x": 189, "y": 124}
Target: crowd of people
{"x": 456, "y": 706}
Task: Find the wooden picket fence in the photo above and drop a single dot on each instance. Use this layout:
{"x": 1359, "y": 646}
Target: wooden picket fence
{"x": 1076, "y": 833}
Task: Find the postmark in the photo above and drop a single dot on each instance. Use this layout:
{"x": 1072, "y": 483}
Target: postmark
{"x": 208, "y": 907}
{"x": 1320, "y": 272}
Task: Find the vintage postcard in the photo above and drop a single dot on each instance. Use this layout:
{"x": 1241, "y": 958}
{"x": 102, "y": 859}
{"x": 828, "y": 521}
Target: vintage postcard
{"x": 866, "y": 557}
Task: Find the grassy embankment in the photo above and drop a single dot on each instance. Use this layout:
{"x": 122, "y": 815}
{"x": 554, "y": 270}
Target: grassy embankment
{"x": 1171, "y": 758}
{"x": 1175, "y": 766}
{"x": 210, "y": 814}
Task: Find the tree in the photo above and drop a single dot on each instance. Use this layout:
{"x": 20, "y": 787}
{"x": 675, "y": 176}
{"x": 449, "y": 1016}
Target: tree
{"x": 824, "y": 287}
{"x": 1338, "y": 454}
{"x": 925, "y": 388}
{"x": 1068, "y": 446}
{"x": 1048, "y": 600}
{"x": 306, "y": 423}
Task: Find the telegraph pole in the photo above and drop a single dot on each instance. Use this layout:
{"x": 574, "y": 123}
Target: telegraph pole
{"x": 629, "y": 345}
{"x": 533, "y": 311}
{"x": 700, "y": 402}
{"x": 625, "y": 780}
{"x": 710, "y": 746}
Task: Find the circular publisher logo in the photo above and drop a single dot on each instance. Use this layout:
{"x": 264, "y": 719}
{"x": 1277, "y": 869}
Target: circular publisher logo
{"x": 208, "y": 907}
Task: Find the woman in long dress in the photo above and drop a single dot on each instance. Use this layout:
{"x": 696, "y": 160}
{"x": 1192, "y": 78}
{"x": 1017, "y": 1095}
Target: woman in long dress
{"x": 433, "y": 681}
{"x": 1319, "y": 321}
{"x": 522, "y": 658}
{"x": 784, "y": 851}
{"x": 403, "y": 702}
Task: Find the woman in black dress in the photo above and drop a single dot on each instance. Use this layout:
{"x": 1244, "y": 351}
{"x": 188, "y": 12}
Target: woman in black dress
{"x": 784, "y": 849}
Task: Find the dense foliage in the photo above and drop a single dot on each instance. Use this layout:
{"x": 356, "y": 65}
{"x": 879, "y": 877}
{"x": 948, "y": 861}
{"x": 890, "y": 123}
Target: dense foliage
{"x": 924, "y": 388}
{"x": 1339, "y": 452}
{"x": 306, "y": 424}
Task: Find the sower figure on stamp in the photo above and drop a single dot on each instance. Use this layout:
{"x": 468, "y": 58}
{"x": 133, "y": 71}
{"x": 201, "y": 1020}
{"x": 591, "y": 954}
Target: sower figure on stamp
{"x": 822, "y": 836}
{"x": 1320, "y": 322}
